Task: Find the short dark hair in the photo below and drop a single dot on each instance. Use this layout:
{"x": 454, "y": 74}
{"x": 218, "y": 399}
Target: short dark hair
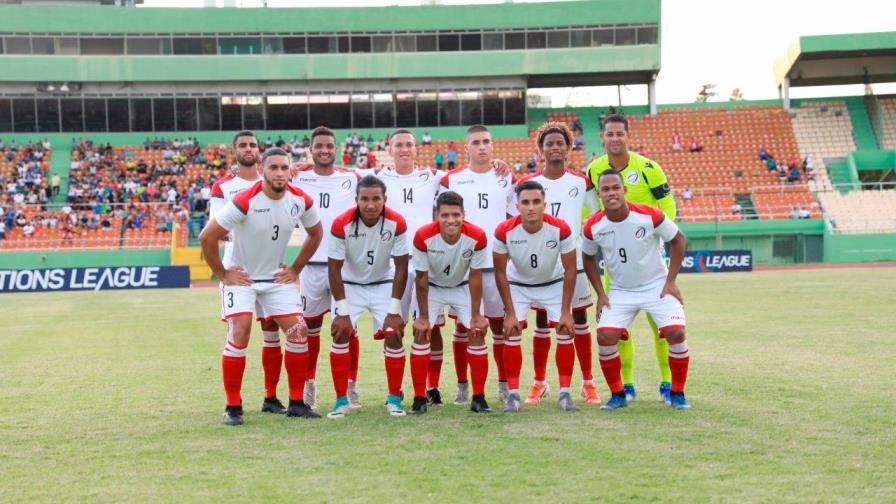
{"x": 608, "y": 172}
{"x": 322, "y": 131}
{"x": 370, "y": 181}
{"x": 241, "y": 134}
{"x": 274, "y": 151}
{"x": 476, "y": 128}
{"x": 401, "y": 131}
{"x": 528, "y": 185}
{"x": 449, "y": 198}
{"x": 614, "y": 118}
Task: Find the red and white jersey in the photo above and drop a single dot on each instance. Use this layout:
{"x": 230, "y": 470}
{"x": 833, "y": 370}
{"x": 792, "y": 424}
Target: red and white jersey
{"x": 567, "y": 197}
{"x": 534, "y": 257}
{"x": 223, "y": 191}
{"x": 367, "y": 251}
{"x": 449, "y": 264}
{"x": 488, "y": 199}
{"x": 332, "y": 194}
{"x": 412, "y": 195}
{"x": 261, "y": 228}
{"x": 632, "y": 248}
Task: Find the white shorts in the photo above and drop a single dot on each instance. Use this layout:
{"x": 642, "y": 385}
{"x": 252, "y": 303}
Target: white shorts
{"x": 492, "y": 305}
{"x": 409, "y": 302}
{"x": 456, "y": 299}
{"x": 314, "y": 285}
{"x": 372, "y": 298}
{"x": 259, "y": 311}
{"x": 581, "y": 296}
{"x": 547, "y": 298}
{"x": 268, "y": 299}
{"x": 667, "y": 312}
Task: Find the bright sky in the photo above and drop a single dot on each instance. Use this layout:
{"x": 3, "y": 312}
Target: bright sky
{"x": 729, "y": 43}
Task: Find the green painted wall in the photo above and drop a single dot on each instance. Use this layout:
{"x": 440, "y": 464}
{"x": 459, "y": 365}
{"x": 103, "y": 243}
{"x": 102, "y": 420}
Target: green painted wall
{"x": 83, "y": 258}
{"x": 859, "y": 247}
{"x": 274, "y": 67}
{"x": 86, "y": 19}
{"x": 862, "y": 130}
{"x": 848, "y": 42}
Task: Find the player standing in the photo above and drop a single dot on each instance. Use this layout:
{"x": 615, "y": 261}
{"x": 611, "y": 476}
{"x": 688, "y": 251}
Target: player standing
{"x": 261, "y": 219}
{"x": 568, "y": 194}
{"x": 366, "y": 241}
{"x": 631, "y": 237}
{"x": 449, "y": 256}
{"x": 488, "y": 201}
{"x": 333, "y": 190}
{"x": 646, "y": 184}
{"x": 541, "y": 271}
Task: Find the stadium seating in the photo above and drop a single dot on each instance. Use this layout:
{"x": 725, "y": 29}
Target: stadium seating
{"x": 823, "y": 130}
{"x": 888, "y": 122}
{"x": 861, "y": 211}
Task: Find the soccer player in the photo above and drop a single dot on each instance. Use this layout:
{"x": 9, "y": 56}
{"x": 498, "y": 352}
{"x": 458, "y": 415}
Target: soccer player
{"x": 541, "y": 271}
{"x": 631, "y": 237}
{"x": 365, "y": 242}
{"x": 334, "y": 191}
{"x": 261, "y": 219}
{"x": 646, "y": 184}
{"x": 568, "y": 194}
{"x": 489, "y": 201}
{"x": 449, "y": 256}
{"x": 245, "y": 175}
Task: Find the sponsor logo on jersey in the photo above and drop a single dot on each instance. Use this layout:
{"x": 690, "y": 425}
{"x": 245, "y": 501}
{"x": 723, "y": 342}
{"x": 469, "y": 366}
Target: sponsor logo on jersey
{"x": 551, "y": 244}
{"x": 632, "y": 177}
{"x": 386, "y": 235}
{"x": 467, "y": 254}
{"x": 606, "y": 233}
{"x": 459, "y": 182}
{"x": 261, "y": 210}
{"x": 640, "y": 233}
{"x": 518, "y": 242}
{"x": 573, "y": 192}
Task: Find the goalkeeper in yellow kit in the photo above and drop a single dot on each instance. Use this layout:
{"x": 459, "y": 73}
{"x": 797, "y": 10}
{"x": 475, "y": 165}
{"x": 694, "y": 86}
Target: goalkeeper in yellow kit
{"x": 647, "y": 185}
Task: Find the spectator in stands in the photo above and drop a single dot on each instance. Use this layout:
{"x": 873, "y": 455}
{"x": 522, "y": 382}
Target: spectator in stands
{"x": 579, "y": 142}
{"x": 54, "y": 183}
{"x": 804, "y": 213}
{"x": 763, "y": 154}
{"x": 794, "y": 175}
{"x": 518, "y": 167}
{"x": 531, "y": 166}
{"x": 676, "y": 141}
{"x": 795, "y": 213}
{"x": 695, "y": 146}
{"x": 686, "y": 194}
{"x": 2, "y": 230}
{"x": 371, "y": 159}
{"x": 452, "y": 157}
{"x": 808, "y": 164}
{"x": 770, "y": 163}
{"x": 362, "y": 150}
{"x": 28, "y": 229}
{"x": 426, "y": 139}
{"x": 439, "y": 159}
{"x": 578, "y": 126}
{"x": 736, "y": 209}
{"x": 160, "y": 215}
{"x": 347, "y": 157}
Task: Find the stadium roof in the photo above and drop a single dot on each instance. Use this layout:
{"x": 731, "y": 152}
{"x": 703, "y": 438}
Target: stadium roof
{"x": 849, "y": 58}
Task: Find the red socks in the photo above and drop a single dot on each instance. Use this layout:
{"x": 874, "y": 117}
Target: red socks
{"x": 394, "y": 358}
{"x": 583, "y": 350}
{"x": 420, "y": 365}
{"x": 354, "y": 349}
{"x": 271, "y": 357}
{"x": 313, "y": 352}
{"x": 679, "y": 358}
{"x": 498, "y": 354}
{"x": 611, "y": 365}
{"x": 339, "y": 365}
{"x": 459, "y": 345}
{"x": 478, "y": 357}
{"x": 233, "y": 364}
{"x": 513, "y": 362}
{"x": 541, "y": 347}
{"x": 295, "y": 359}
{"x": 565, "y": 357}
{"x": 435, "y": 369}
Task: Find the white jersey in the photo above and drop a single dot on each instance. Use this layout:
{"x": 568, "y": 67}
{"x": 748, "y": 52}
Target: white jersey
{"x": 412, "y": 195}
{"x": 449, "y": 264}
{"x": 632, "y": 248}
{"x": 261, "y": 228}
{"x": 488, "y": 199}
{"x": 567, "y": 197}
{"x": 368, "y": 251}
{"x": 534, "y": 257}
{"x": 222, "y": 192}
{"x": 332, "y": 195}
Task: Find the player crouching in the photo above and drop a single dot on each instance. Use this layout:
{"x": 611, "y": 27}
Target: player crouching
{"x": 261, "y": 219}
{"x": 630, "y": 237}
{"x": 368, "y": 260}
{"x": 541, "y": 272}
{"x": 449, "y": 255}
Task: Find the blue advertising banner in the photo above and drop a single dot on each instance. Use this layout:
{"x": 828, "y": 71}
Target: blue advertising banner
{"x": 709, "y": 261}
{"x": 100, "y": 278}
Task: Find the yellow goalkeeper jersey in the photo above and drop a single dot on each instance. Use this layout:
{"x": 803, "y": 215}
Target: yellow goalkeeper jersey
{"x": 644, "y": 179}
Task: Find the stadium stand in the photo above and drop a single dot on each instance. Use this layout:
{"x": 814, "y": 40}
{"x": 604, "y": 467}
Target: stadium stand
{"x": 823, "y": 130}
{"x": 888, "y": 122}
{"x": 861, "y": 211}
{"x": 24, "y": 173}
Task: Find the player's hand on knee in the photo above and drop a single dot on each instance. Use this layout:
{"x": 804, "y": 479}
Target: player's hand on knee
{"x": 236, "y": 276}
{"x": 479, "y": 325}
{"x": 422, "y": 329}
{"x": 511, "y": 325}
{"x": 672, "y": 290}
{"x": 394, "y": 323}
{"x": 602, "y": 302}
{"x": 286, "y": 275}
{"x": 565, "y": 324}
{"x": 341, "y": 326}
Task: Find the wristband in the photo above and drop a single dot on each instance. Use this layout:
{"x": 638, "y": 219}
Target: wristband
{"x": 395, "y": 306}
{"x": 341, "y": 308}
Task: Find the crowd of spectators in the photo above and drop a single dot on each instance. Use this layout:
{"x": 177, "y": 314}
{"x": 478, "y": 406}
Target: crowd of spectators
{"x": 788, "y": 172}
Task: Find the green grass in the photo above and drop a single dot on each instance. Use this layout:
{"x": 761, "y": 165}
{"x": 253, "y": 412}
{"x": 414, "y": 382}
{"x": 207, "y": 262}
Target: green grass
{"x": 116, "y": 396}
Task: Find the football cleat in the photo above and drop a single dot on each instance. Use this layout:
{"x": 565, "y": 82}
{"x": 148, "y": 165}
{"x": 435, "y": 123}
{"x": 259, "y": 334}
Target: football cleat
{"x": 273, "y": 405}
{"x": 298, "y": 409}
{"x": 678, "y": 401}
{"x": 665, "y": 390}
{"x": 616, "y": 401}
{"x": 233, "y": 415}
{"x": 463, "y": 393}
{"x": 354, "y": 402}
{"x": 630, "y": 393}
{"x": 340, "y": 410}
{"x": 512, "y": 404}
{"x": 310, "y": 396}
{"x": 393, "y": 406}
{"x": 419, "y": 406}
{"x": 565, "y": 402}
{"x": 434, "y": 397}
{"x": 478, "y": 405}
{"x": 538, "y": 392}
{"x": 503, "y": 391}
{"x": 589, "y": 392}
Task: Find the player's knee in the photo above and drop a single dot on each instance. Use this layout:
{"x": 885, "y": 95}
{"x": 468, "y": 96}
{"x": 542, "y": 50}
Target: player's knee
{"x": 580, "y": 316}
{"x": 497, "y": 327}
{"x": 269, "y": 326}
{"x": 341, "y": 338}
{"x": 392, "y": 341}
{"x": 608, "y": 337}
{"x": 673, "y": 336}
{"x": 314, "y": 323}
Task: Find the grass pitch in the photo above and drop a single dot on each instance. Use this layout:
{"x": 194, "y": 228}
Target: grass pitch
{"x": 116, "y": 396}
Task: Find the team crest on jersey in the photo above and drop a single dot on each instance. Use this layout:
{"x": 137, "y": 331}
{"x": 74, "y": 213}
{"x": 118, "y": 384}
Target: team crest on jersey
{"x": 423, "y": 175}
{"x": 386, "y": 235}
{"x": 346, "y": 185}
{"x": 502, "y": 182}
{"x": 551, "y": 244}
{"x": 294, "y": 211}
{"x": 632, "y": 177}
{"x": 467, "y": 253}
{"x": 573, "y": 192}
{"x": 640, "y": 233}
